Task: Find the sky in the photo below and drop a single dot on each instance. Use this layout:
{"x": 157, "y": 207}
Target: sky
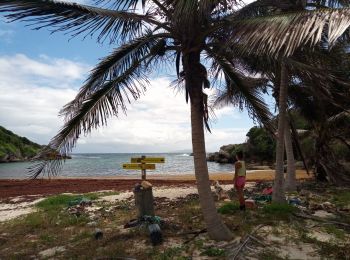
{"x": 40, "y": 72}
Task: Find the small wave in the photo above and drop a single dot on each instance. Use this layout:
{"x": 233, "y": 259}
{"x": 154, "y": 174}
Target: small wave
{"x": 185, "y": 154}
{"x": 86, "y": 157}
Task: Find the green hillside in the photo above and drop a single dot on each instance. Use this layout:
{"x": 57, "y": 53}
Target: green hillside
{"x": 16, "y": 148}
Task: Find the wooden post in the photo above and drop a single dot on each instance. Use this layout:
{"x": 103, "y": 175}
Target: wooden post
{"x": 143, "y": 171}
{"x": 144, "y": 201}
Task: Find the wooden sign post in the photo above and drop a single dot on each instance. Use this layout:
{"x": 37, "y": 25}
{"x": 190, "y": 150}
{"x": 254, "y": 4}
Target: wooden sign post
{"x": 143, "y": 163}
{"x": 143, "y": 192}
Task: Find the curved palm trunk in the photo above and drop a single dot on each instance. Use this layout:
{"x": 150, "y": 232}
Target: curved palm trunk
{"x": 278, "y": 187}
{"x": 217, "y": 230}
{"x": 290, "y": 184}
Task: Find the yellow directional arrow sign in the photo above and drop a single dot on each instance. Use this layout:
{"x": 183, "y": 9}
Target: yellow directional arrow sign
{"x": 138, "y": 166}
{"x": 148, "y": 160}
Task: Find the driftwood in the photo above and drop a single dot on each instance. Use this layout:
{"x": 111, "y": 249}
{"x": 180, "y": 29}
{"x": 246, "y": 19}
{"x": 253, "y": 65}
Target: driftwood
{"x": 195, "y": 233}
{"x": 329, "y": 222}
{"x": 248, "y": 237}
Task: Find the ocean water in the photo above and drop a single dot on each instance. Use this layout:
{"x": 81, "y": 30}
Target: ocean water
{"x": 109, "y": 165}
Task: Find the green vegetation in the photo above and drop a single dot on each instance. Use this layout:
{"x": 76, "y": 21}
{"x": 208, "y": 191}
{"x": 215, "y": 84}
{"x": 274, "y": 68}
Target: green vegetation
{"x": 229, "y": 208}
{"x": 342, "y": 198}
{"x": 279, "y": 210}
{"x": 63, "y": 200}
{"x": 15, "y": 147}
{"x": 260, "y": 145}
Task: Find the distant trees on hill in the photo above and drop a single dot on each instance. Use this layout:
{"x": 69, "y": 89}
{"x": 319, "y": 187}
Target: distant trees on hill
{"x": 16, "y": 148}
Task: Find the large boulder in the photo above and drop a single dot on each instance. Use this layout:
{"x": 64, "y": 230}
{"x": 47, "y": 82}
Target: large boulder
{"x": 223, "y": 156}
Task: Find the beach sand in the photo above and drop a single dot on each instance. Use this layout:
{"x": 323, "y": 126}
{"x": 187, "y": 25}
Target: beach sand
{"x": 13, "y": 188}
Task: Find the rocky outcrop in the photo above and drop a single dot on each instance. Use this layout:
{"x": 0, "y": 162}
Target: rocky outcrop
{"x": 225, "y": 154}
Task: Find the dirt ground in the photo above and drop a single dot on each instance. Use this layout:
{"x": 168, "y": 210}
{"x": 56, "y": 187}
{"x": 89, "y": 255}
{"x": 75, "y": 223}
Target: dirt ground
{"x": 13, "y": 188}
{"x": 56, "y": 227}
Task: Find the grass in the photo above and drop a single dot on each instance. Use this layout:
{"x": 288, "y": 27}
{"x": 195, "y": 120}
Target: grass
{"x": 338, "y": 233}
{"x": 228, "y": 208}
{"x": 278, "y": 210}
{"x": 328, "y": 250}
{"x": 342, "y": 198}
{"x": 190, "y": 215}
{"x": 64, "y": 200}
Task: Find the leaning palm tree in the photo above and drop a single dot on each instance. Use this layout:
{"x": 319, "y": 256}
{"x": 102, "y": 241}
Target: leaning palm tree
{"x": 186, "y": 33}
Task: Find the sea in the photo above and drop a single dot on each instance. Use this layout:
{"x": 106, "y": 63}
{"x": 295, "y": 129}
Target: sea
{"x": 110, "y": 165}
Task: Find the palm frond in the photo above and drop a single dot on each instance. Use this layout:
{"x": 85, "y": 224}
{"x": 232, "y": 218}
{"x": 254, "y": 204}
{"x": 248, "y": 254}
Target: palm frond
{"x": 118, "y": 4}
{"x": 93, "y": 112}
{"x": 254, "y": 9}
{"x": 282, "y": 34}
{"x": 114, "y": 64}
{"x": 242, "y": 91}
{"x": 338, "y": 119}
{"x": 329, "y": 3}
{"x": 78, "y": 19}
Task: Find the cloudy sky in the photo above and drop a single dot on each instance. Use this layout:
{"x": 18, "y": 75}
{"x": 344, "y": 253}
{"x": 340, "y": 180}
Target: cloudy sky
{"x": 40, "y": 72}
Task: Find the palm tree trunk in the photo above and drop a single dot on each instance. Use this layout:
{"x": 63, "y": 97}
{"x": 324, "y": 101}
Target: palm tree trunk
{"x": 217, "y": 230}
{"x": 290, "y": 184}
{"x": 278, "y": 187}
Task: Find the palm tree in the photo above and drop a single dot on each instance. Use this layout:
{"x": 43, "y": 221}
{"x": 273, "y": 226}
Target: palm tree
{"x": 264, "y": 40}
{"x": 290, "y": 182}
{"x": 327, "y": 112}
{"x": 186, "y": 33}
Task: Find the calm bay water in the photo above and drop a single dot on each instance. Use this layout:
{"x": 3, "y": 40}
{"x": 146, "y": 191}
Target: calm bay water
{"x": 108, "y": 165}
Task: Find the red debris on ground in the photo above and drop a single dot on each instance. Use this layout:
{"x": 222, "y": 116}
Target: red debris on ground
{"x": 13, "y": 188}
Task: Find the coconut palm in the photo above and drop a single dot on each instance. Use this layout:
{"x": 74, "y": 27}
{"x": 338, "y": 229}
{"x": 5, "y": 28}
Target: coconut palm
{"x": 266, "y": 43}
{"x": 327, "y": 112}
{"x": 186, "y": 33}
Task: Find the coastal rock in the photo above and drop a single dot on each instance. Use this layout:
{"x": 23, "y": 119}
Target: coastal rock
{"x": 223, "y": 156}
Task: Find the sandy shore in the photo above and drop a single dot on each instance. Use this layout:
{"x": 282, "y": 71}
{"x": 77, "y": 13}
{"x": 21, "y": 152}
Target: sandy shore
{"x": 13, "y": 188}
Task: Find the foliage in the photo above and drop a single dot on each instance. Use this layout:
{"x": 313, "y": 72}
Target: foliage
{"x": 63, "y": 200}
{"x": 279, "y": 210}
{"x": 229, "y": 208}
{"x": 17, "y": 146}
{"x": 342, "y": 198}
{"x": 260, "y": 145}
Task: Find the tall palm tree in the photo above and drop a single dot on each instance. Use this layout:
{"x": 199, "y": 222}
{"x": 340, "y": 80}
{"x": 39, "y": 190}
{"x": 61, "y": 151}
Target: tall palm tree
{"x": 268, "y": 44}
{"x": 186, "y": 33}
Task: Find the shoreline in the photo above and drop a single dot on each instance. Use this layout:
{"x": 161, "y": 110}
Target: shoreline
{"x": 26, "y": 187}
{"x": 252, "y": 175}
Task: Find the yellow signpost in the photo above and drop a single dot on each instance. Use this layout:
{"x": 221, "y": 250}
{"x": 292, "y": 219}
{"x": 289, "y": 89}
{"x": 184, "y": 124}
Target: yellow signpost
{"x": 138, "y": 166}
{"x": 143, "y": 163}
{"x": 148, "y": 160}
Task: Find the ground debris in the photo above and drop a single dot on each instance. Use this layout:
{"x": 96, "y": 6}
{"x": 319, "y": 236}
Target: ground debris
{"x": 52, "y": 251}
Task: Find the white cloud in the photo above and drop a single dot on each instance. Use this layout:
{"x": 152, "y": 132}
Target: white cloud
{"x": 45, "y": 72}
{"x": 6, "y": 33}
{"x": 34, "y": 90}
